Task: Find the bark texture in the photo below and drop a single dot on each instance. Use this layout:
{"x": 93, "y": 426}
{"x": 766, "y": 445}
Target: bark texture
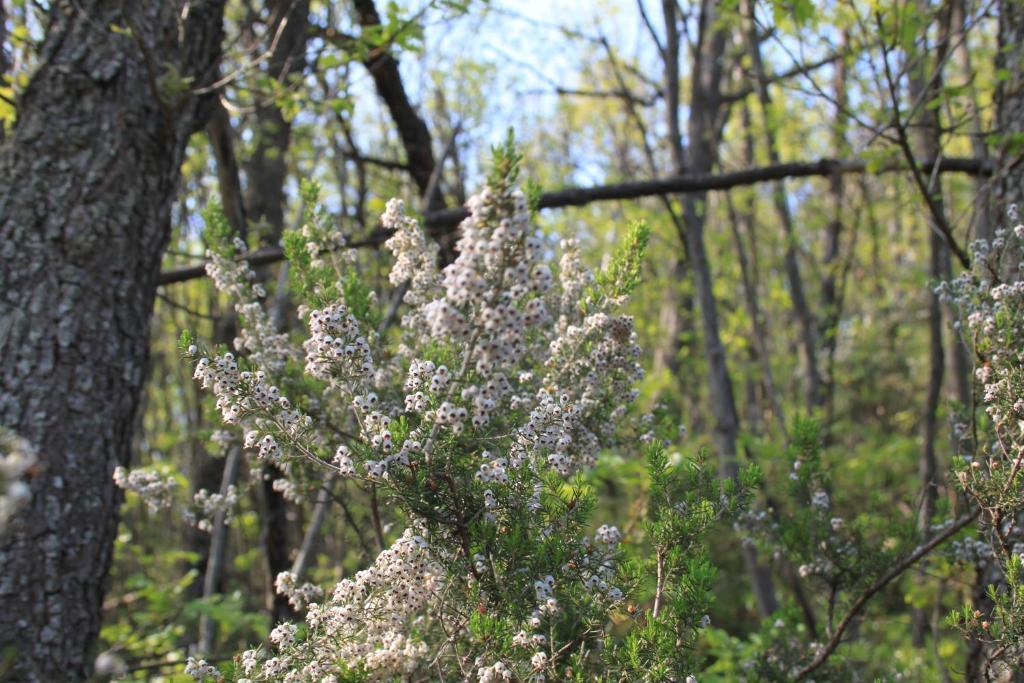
{"x": 89, "y": 174}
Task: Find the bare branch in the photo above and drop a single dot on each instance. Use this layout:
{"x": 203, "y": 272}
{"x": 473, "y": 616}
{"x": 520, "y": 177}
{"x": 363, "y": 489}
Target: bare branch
{"x": 444, "y": 221}
{"x": 618, "y": 94}
{"x": 887, "y": 578}
{"x": 797, "y": 69}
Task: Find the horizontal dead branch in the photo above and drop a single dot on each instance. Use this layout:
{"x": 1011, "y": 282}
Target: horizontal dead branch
{"x": 444, "y": 222}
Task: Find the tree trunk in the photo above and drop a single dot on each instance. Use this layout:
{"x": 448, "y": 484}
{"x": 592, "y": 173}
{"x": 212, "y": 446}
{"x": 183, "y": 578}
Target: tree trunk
{"x": 207, "y": 470}
{"x": 801, "y": 307}
{"x": 229, "y": 180}
{"x": 268, "y": 168}
{"x": 928, "y": 463}
{"x": 742, "y": 223}
{"x": 832, "y": 286}
{"x": 416, "y": 138}
{"x": 704, "y": 131}
{"x": 90, "y": 171}
{"x": 925, "y": 84}
{"x": 266, "y": 173}
{"x": 982, "y": 217}
{"x": 1009, "y": 101}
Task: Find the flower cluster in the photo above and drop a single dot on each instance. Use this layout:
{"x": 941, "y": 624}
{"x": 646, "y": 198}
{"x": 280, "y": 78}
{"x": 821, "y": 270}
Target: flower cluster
{"x": 199, "y": 670}
{"x": 494, "y": 673}
{"x": 414, "y": 259}
{"x": 213, "y": 504}
{"x": 257, "y": 336}
{"x": 336, "y": 347}
{"x": 990, "y": 300}
{"x": 286, "y": 584}
{"x": 155, "y": 490}
{"x": 241, "y": 393}
{"x": 16, "y": 457}
{"x": 367, "y": 622}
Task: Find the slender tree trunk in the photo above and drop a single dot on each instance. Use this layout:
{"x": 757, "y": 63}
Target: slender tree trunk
{"x": 267, "y": 172}
{"x": 670, "y": 321}
{"x": 757, "y": 379}
{"x": 304, "y": 558}
{"x": 416, "y": 138}
{"x": 704, "y": 130}
{"x": 982, "y": 218}
{"x": 208, "y": 471}
{"x": 267, "y": 169}
{"x": 925, "y": 85}
{"x": 89, "y": 174}
{"x": 671, "y": 59}
{"x": 801, "y": 307}
{"x": 680, "y": 333}
{"x": 830, "y": 286}
{"x": 229, "y": 180}
{"x": 1009, "y": 101}
{"x": 276, "y": 539}
{"x": 962, "y": 367}
{"x": 676, "y": 315}
{"x": 217, "y": 553}
{"x": 742, "y": 222}
{"x": 927, "y": 464}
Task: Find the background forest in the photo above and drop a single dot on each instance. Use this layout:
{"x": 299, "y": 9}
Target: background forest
{"x": 808, "y": 175}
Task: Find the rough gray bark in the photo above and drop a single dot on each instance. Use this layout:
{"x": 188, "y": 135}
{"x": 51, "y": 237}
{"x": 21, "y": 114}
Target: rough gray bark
{"x": 89, "y": 174}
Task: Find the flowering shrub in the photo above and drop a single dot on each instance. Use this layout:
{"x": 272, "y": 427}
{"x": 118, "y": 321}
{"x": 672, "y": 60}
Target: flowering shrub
{"x": 476, "y": 429}
{"x": 478, "y": 423}
{"x": 990, "y": 298}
